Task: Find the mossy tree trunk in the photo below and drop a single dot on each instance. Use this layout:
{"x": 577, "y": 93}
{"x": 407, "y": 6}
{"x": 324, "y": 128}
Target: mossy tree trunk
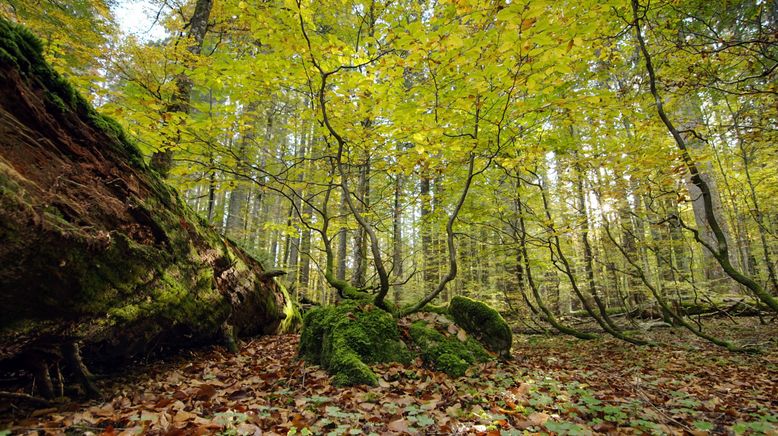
{"x": 94, "y": 248}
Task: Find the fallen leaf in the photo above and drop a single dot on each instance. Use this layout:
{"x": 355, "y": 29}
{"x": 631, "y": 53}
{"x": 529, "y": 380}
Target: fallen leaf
{"x": 538, "y": 418}
{"x": 183, "y": 415}
{"x": 400, "y": 426}
{"x": 206, "y": 392}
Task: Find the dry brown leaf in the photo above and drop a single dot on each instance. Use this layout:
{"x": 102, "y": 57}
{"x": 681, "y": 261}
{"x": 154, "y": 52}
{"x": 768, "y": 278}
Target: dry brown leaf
{"x": 206, "y": 392}
{"x": 84, "y": 417}
{"x": 538, "y": 418}
{"x": 400, "y": 426}
{"x": 183, "y": 415}
{"x": 248, "y": 429}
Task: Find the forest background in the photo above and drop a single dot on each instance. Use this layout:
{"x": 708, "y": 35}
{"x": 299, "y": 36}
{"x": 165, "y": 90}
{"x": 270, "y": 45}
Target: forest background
{"x": 548, "y": 158}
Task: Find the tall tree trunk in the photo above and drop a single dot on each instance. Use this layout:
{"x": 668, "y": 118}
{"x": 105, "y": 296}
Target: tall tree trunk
{"x": 239, "y": 196}
{"x": 720, "y": 247}
{"x": 305, "y": 254}
{"x": 360, "y": 237}
{"x": 162, "y": 160}
{"x": 757, "y": 214}
{"x": 397, "y": 237}
{"x": 583, "y": 218}
{"x": 548, "y": 315}
{"x": 342, "y": 243}
{"x": 425, "y": 227}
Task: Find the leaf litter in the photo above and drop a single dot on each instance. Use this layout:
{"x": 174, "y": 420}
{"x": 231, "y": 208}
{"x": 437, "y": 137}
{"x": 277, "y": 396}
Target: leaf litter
{"x": 553, "y": 385}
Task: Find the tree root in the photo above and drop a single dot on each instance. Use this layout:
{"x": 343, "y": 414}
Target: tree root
{"x": 73, "y": 359}
{"x": 38, "y": 401}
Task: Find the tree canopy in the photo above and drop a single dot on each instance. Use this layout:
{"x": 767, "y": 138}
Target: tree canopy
{"x": 547, "y": 157}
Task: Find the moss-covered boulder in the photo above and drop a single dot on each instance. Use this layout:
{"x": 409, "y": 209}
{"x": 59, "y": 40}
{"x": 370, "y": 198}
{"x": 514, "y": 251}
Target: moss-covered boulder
{"x": 346, "y": 338}
{"x": 482, "y": 322}
{"x": 443, "y": 347}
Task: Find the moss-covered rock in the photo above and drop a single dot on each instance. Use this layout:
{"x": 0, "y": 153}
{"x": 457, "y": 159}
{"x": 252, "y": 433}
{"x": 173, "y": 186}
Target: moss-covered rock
{"x": 449, "y": 353}
{"x": 346, "y": 338}
{"x": 483, "y": 322}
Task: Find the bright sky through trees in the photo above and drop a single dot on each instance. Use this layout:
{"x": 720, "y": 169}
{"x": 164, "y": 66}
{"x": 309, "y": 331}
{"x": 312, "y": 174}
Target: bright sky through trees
{"x": 137, "y": 17}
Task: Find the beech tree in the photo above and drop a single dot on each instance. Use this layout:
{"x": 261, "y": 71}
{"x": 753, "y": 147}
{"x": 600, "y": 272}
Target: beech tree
{"x": 548, "y": 158}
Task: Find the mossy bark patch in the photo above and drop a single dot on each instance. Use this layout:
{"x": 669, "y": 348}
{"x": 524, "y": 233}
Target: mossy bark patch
{"x": 346, "y": 338}
{"x": 483, "y": 322}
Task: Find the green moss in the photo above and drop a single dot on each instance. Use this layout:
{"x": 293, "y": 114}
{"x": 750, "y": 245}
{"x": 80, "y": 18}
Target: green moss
{"x": 119, "y": 271}
{"x": 57, "y": 102}
{"x": 6, "y": 58}
{"x": 452, "y": 365}
{"x": 346, "y": 338}
{"x": 344, "y": 362}
{"x": 293, "y": 320}
{"x": 483, "y": 322}
{"x": 20, "y": 48}
{"x": 126, "y": 313}
{"x": 431, "y": 308}
{"x": 447, "y": 354}
{"x": 113, "y": 129}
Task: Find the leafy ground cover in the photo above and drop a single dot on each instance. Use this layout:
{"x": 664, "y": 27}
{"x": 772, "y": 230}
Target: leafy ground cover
{"x": 552, "y": 385}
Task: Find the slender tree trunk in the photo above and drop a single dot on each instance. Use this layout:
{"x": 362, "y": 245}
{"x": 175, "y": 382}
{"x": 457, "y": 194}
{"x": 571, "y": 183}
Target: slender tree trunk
{"x": 342, "y": 243}
{"x": 426, "y": 240}
{"x": 720, "y": 247}
{"x": 239, "y": 196}
{"x": 583, "y": 218}
{"x": 563, "y": 264}
{"x": 549, "y": 316}
{"x": 360, "y": 237}
{"x": 162, "y": 161}
{"x": 211, "y": 194}
{"x": 305, "y": 253}
{"x": 397, "y": 237}
{"x": 758, "y": 215}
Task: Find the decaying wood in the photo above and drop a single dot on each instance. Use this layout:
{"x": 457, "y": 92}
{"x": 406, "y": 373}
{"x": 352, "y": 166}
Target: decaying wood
{"x": 100, "y": 261}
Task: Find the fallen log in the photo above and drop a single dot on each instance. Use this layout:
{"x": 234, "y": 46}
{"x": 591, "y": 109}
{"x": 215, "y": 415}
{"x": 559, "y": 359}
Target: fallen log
{"x": 99, "y": 258}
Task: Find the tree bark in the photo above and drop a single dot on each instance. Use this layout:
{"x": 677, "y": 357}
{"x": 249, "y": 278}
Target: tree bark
{"x": 397, "y": 237}
{"x": 720, "y": 249}
{"x": 162, "y": 161}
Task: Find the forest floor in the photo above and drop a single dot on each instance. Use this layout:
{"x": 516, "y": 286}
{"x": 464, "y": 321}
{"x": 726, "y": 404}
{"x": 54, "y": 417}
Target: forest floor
{"x": 553, "y": 385}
